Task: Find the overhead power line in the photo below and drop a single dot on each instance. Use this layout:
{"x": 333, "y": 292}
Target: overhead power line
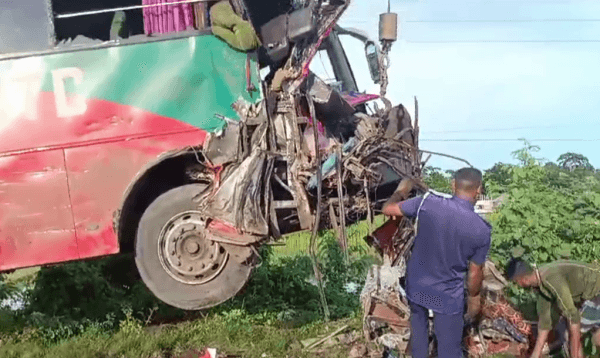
{"x": 496, "y": 129}
{"x": 500, "y": 41}
{"x": 504, "y": 20}
{"x": 508, "y": 140}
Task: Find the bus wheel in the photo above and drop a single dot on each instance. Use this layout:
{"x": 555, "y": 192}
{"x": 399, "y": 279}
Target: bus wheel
{"x": 175, "y": 259}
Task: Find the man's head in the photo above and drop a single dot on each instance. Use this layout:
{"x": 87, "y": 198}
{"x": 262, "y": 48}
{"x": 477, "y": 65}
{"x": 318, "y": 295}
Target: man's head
{"x": 521, "y": 273}
{"x": 467, "y": 182}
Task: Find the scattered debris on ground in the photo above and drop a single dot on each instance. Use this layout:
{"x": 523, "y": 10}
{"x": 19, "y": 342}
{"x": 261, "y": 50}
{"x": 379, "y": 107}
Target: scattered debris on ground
{"x": 207, "y": 353}
{"x": 501, "y": 329}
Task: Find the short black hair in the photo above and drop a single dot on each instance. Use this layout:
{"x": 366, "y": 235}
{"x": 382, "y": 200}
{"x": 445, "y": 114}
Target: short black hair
{"x": 517, "y": 267}
{"x": 468, "y": 179}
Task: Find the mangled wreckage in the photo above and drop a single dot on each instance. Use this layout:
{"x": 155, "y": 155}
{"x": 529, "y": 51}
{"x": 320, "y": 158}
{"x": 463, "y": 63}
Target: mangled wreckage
{"x": 308, "y": 143}
{"x": 501, "y": 329}
{"x": 190, "y": 137}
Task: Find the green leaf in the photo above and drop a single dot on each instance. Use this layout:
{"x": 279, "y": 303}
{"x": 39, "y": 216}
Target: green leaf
{"x": 518, "y": 251}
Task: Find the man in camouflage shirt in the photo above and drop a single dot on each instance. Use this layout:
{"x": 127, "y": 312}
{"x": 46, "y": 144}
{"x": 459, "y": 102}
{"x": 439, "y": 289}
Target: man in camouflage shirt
{"x": 572, "y": 287}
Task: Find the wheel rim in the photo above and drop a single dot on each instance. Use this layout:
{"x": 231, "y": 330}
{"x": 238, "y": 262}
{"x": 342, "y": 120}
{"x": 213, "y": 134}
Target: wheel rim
{"x": 186, "y": 254}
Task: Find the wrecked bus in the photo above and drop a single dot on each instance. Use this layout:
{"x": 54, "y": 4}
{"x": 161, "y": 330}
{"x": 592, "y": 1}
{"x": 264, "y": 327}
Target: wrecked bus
{"x": 128, "y": 127}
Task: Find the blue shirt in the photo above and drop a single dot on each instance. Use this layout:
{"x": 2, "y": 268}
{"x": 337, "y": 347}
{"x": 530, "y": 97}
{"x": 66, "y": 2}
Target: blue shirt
{"x": 450, "y": 234}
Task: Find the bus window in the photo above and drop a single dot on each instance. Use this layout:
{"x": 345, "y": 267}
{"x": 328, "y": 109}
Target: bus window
{"x": 122, "y": 22}
{"x": 24, "y": 27}
{"x": 322, "y": 68}
{"x": 96, "y": 26}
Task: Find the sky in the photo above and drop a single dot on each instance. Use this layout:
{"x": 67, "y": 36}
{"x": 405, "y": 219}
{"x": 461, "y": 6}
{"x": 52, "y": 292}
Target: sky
{"x": 491, "y": 70}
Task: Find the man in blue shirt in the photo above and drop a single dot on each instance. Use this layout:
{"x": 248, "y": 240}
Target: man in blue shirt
{"x": 451, "y": 239}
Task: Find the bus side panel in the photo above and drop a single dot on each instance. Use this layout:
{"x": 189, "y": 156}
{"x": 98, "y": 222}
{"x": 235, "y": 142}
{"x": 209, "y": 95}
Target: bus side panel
{"x": 99, "y": 176}
{"x": 96, "y": 95}
{"x": 171, "y": 91}
{"x": 112, "y": 110}
{"x": 36, "y": 225}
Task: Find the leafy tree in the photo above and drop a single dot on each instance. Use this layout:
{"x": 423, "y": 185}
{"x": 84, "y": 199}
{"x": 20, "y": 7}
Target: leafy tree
{"x": 437, "y": 180}
{"x": 571, "y": 161}
{"x": 497, "y": 178}
{"x": 551, "y": 213}
{"x": 525, "y": 154}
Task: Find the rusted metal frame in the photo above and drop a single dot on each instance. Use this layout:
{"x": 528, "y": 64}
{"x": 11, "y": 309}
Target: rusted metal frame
{"x": 294, "y": 163}
{"x": 341, "y": 208}
{"x": 271, "y": 145}
{"x": 244, "y": 140}
{"x": 383, "y": 160}
{"x": 424, "y": 163}
{"x": 283, "y": 185}
{"x": 406, "y": 240}
{"x": 445, "y": 155}
{"x": 416, "y": 136}
{"x": 284, "y": 204}
{"x": 369, "y": 212}
{"x": 307, "y": 54}
{"x": 221, "y": 239}
{"x": 402, "y": 132}
{"x": 397, "y": 308}
{"x": 268, "y": 192}
{"x": 315, "y": 229}
{"x": 356, "y": 162}
{"x": 332, "y": 217}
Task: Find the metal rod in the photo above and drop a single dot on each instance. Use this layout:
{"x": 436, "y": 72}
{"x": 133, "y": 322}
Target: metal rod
{"x": 424, "y": 163}
{"x": 278, "y": 180}
{"x": 342, "y": 210}
{"x": 369, "y": 213}
{"x": 416, "y": 128}
{"x": 315, "y": 230}
{"x": 133, "y": 7}
{"x": 446, "y": 155}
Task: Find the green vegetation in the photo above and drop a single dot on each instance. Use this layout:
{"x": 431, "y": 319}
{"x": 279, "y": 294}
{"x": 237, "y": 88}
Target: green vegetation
{"x": 552, "y": 213}
{"x": 438, "y": 180}
{"x": 90, "y": 309}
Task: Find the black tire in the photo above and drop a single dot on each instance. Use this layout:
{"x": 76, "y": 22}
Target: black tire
{"x": 227, "y": 284}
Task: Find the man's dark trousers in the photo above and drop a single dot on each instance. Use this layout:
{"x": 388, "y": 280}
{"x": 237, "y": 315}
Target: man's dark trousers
{"x": 448, "y": 332}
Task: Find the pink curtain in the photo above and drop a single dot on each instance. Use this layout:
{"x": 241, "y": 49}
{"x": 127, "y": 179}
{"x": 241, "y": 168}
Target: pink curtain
{"x": 163, "y": 19}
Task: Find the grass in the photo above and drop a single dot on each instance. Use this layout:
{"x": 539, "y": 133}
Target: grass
{"x": 231, "y": 335}
{"x": 22, "y": 274}
{"x": 277, "y": 311}
{"x": 257, "y": 324}
{"x": 249, "y": 326}
{"x": 298, "y": 242}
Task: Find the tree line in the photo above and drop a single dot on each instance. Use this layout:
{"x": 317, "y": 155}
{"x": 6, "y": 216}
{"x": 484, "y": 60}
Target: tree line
{"x": 551, "y": 210}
